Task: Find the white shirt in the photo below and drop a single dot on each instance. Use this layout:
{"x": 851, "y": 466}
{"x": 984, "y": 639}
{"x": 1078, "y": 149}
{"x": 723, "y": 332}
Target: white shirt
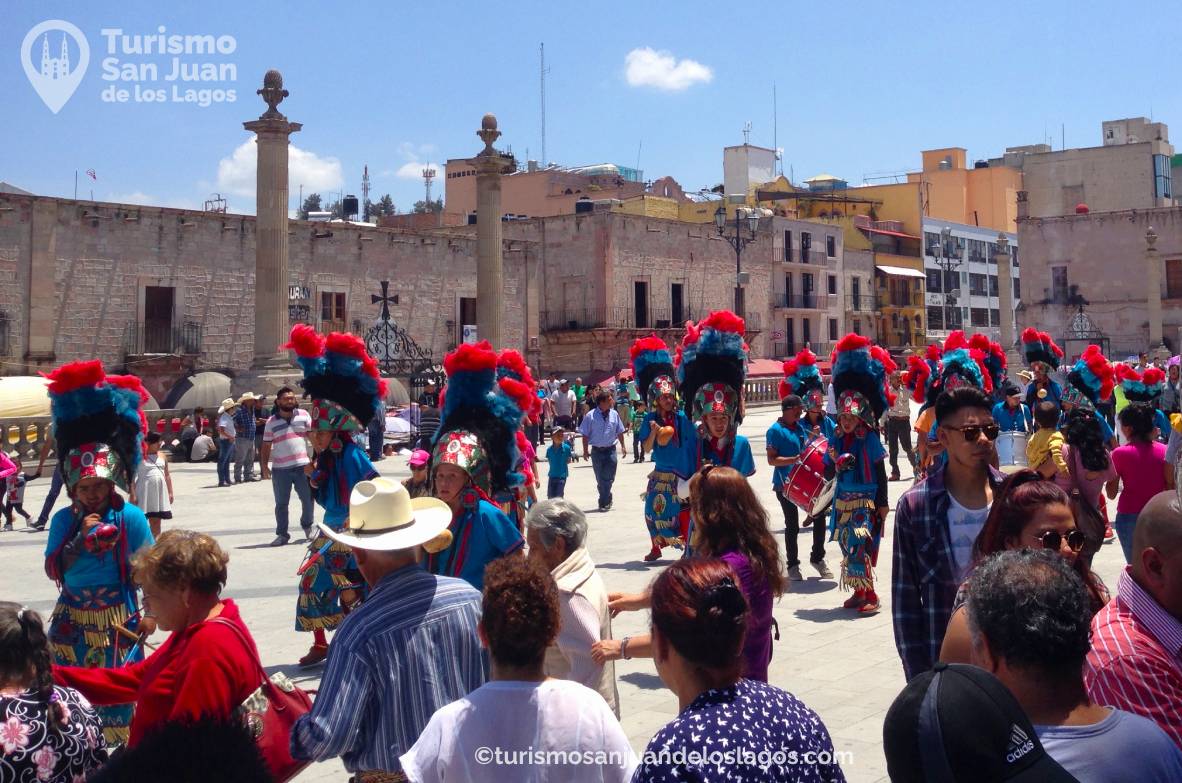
{"x": 963, "y": 526}
{"x": 564, "y": 403}
{"x": 523, "y": 722}
{"x": 201, "y": 448}
{"x": 226, "y": 422}
{"x": 830, "y": 401}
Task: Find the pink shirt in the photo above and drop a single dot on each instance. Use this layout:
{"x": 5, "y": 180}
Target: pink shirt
{"x": 1141, "y": 467}
{"x": 1088, "y": 489}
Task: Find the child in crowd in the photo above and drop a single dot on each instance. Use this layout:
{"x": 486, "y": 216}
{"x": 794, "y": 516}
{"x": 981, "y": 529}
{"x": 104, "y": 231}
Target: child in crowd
{"x": 638, "y": 411}
{"x": 1044, "y": 451}
{"x": 14, "y": 493}
{"x": 153, "y": 484}
{"x": 558, "y": 455}
{"x": 417, "y": 485}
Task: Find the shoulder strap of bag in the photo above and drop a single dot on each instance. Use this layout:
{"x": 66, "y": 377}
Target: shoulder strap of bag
{"x": 246, "y": 644}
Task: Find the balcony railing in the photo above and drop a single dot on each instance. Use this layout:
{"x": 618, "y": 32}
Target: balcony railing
{"x": 860, "y": 303}
{"x": 803, "y": 301}
{"x": 785, "y": 350}
{"x": 893, "y": 299}
{"x": 582, "y": 318}
{"x": 150, "y": 338}
{"x": 813, "y": 255}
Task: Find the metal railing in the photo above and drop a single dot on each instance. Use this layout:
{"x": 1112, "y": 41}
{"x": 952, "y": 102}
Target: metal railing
{"x": 803, "y": 301}
{"x": 5, "y": 335}
{"x": 860, "y": 303}
{"x": 913, "y": 299}
{"x": 785, "y": 350}
{"x": 812, "y": 256}
{"x": 146, "y": 338}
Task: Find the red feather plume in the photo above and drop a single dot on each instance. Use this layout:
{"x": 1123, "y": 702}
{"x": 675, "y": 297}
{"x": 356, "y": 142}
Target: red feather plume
{"x": 650, "y": 343}
{"x": 999, "y": 352}
{"x": 75, "y": 375}
{"x": 917, "y": 375}
{"x": 956, "y": 340}
{"x": 880, "y": 353}
{"x": 978, "y": 356}
{"x": 1031, "y": 335}
{"x": 980, "y": 342}
{"x": 724, "y": 321}
{"x": 514, "y": 362}
{"x": 305, "y": 341}
{"x": 519, "y": 392}
{"x": 354, "y": 347}
{"x": 471, "y": 358}
{"x": 1152, "y": 376}
{"x": 851, "y": 342}
{"x": 130, "y": 382}
{"x": 806, "y": 357}
{"x": 934, "y": 353}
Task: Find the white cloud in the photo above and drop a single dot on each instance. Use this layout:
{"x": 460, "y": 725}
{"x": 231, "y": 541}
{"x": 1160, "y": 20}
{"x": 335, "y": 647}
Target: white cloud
{"x": 414, "y": 170}
{"x": 236, "y": 173}
{"x": 646, "y": 67}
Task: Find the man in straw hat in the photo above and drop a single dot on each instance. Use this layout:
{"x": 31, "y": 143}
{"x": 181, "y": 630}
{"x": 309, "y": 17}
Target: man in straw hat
{"x": 245, "y": 425}
{"x": 410, "y": 649}
{"x": 227, "y": 432}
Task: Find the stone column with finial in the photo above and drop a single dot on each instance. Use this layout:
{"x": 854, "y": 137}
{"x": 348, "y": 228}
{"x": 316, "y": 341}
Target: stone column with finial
{"x": 490, "y": 278}
{"x": 1005, "y": 301}
{"x": 1153, "y": 295}
{"x": 272, "y": 131}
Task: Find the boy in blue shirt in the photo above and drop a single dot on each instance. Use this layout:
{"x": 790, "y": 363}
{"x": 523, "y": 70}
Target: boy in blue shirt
{"x": 558, "y": 456}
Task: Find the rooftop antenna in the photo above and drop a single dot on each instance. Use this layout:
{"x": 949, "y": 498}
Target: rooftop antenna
{"x": 542, "y": 71}
{"x": 364, "y": 192}
{"x": 215, "y": 203}
{"x": 639, "y": 147}
{"x": 428, "y": 175}
{"x": 776, "y": 132}
{"x": 746, "y": 133}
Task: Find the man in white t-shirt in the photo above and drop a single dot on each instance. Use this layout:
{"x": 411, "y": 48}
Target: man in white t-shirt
{"x": 286, "y": 448}
{"x": 227, "y": 433}
{"x": 203, "y": 447}
{"x": 464, "y": 741}
{"x": 565, "y": 405}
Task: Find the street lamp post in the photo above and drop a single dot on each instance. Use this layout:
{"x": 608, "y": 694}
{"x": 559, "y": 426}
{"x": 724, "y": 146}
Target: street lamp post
{"x": 738, "y": 241}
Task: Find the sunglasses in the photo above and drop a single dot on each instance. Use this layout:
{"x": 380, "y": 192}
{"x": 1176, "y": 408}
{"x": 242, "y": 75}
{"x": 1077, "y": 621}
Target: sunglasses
{"x": 973, "y": 431}
{"x": 1053, "y": 539}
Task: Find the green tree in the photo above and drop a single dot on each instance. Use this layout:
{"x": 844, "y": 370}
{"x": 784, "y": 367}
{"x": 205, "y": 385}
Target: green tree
{"x": 386, "y": 206}
{"x": 311, "y": 204}
{"x": 425, "y": 206}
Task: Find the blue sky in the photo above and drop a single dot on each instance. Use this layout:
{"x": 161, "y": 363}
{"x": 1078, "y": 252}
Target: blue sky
{"x": 861, "y": 89}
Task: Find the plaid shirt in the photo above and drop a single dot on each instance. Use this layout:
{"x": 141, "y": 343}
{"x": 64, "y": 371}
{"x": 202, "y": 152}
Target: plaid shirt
{"x": 244, "y": 422}
{"x": 1135, "y": 663}
{"x": 923, "y": 579}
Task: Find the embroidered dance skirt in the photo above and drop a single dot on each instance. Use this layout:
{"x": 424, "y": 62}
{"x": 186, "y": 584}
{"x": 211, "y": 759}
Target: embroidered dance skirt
{"x": 662, "y": 509}
{"x": 319, "y": 604}
{"x": 82, "y": 633}
{"x": 854, "y": 525}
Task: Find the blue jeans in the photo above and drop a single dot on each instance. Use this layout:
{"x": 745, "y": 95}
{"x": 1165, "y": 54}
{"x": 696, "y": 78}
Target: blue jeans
{"x": 1124, "y": 524}
{"x": 55, "y": 488}
{"x": 282, "y": 482}
{"x": 555, "y": 487}
{"x": 603, "y": 462}
{"x": 225, "y": 457}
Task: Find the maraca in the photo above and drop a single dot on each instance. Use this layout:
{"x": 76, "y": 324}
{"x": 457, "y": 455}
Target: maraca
{"x": 101, "y": 538}
{"x": 664, "y": 435}
{"x": 845, "y": 462}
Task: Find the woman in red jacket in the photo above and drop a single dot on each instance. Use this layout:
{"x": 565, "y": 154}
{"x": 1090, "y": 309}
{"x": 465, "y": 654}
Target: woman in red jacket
{"x": 205, "y": 667}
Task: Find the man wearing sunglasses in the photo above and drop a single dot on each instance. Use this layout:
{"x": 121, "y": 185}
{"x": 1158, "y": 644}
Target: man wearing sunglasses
{"x": 936, "y": 523}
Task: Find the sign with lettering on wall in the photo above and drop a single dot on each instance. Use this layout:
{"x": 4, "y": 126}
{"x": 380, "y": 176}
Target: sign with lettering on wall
{"x": 469, "y": 333}
{"x": 297, "y": 292}
{"x": 299, "y": 313}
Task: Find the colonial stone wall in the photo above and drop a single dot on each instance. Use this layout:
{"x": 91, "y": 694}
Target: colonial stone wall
{"x": 104, "y": 255}
{"x": 1103, "y": 254}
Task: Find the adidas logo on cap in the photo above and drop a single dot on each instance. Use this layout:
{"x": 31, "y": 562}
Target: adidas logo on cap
{"x": 1020, "y": 744}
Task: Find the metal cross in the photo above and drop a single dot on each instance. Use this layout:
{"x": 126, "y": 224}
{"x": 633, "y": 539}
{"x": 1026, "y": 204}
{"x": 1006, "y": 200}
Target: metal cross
{"x": 385, "y": 299}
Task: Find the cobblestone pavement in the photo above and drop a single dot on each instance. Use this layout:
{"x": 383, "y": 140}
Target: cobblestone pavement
{"x": 842, "y": 665}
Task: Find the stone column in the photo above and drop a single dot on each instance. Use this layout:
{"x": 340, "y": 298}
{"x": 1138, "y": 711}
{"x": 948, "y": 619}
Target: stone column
{"x": 490, "y": 276}
{"x": 271, "y": 209}
{"x": 1005, "y": 300}
{"x": 1153, "y": 294}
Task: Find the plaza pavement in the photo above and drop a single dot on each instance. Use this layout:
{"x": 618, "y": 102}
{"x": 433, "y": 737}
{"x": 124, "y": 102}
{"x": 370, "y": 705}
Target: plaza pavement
{"x": 840, "y": 664}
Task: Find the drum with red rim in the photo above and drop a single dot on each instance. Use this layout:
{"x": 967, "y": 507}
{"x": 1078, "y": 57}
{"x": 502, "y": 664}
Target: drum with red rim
{"x": 806, "y": 485}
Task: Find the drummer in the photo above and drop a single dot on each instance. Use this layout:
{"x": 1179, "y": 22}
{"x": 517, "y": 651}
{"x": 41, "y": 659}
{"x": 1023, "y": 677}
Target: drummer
{"x": 802, "y": 379}
{"x": 785, "y": 442}
{"x": 1011, "y": 414}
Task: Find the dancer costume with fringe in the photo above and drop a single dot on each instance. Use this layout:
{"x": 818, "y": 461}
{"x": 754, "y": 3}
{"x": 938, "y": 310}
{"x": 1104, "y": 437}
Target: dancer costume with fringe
{"x": 346, "y": 390}
{"x": 99, "y": 428}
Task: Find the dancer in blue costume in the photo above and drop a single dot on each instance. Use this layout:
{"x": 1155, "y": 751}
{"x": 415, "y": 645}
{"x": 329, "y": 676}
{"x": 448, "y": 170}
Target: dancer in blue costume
{"x": 475, "y": 460}
{"x": 860, "y": 373}
{"x": 671, "y": 438}
{"x": 346, "y": 390}
{"x": 99, "y": 430}
{"x": 802, "y": 378}
{"x": 711, "y": 369}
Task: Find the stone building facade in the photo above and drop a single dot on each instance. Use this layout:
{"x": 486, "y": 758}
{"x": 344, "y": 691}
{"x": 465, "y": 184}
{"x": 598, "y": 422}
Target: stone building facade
{"x": 120, "y": 283}
{"x": 1095, "y": 264}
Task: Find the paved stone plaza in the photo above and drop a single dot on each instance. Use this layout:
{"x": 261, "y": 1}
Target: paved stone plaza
{"x": 842, "y": 665}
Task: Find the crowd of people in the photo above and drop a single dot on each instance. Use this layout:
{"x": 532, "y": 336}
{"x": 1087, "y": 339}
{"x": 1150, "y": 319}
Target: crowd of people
{"x": 458, "y": 596}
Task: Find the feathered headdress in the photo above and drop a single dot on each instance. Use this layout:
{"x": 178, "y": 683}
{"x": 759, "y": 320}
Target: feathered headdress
{"x": 97, "y": 422}
{"x": 960, "y": 365}
{"x": 802, "y": 378}
{"x": 993, "y": 359}
{"x": 1140, "y": 387}
{"x": 712, "y": 365}
{"x": 922, "y": 373}
{"x": 340, "y": 376}
{"x": 860, "y": 372}
{"x": 1090, "y": 380}
{"x": 515, "y": 379}
{"x": 479, "y": 420}
{"x": 652, "y": 367}
{"x": 1039, "y": 347}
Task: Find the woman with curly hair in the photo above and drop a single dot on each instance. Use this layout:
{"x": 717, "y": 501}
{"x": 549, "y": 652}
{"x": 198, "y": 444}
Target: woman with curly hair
{"x": 1085, "y": 452}
{"x": 1028, "y": 512}
{"x": 730, "y": 524}
{"x": 542, "y": 717}
{"x": 47, "y": 733}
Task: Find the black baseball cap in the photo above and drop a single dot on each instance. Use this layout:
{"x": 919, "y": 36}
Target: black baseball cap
{"x": 959, "y": 724}
{"x": 791, "y": 401}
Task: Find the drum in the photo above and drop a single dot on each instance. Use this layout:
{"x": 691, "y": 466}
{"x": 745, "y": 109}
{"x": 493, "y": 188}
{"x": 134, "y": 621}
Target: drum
{"x": 1011, "y": 451}
{"x": 806, "y": 485}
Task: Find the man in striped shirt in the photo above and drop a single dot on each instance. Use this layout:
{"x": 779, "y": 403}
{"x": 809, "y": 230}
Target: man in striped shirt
{"x": 409, "y": 649}
{"x": 1136, "y": 659}
{"x": 285, "y": 448}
